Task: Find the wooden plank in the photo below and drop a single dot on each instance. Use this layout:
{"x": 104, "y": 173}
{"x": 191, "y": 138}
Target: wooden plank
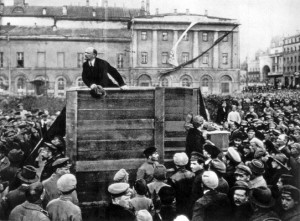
{"x": 175, "y": 134}
{"x": 95, "y": 125}
{"x": 126, "y": 94}
{"x": 116, "y": 103}
{"x": 175, "y": 149}
{"x": 195, "y": 102}
{"x": 71, "y": 125}
{"x": 175, "y": 117}
{"x": 108, "y": 145}
{"x": 174, "y": 126}
{"x": 172, "y": 93}
{"x": 178, "y": 103}
{"x": 110, "y": 155}
{"x": 175, "y": 138}
{"x": 108, "y": 165}
{"x": 159, "y": 122}
{"x": 145, "y": 134}
{"x": 111, "y": 114}
{"x": 175, "y": 143}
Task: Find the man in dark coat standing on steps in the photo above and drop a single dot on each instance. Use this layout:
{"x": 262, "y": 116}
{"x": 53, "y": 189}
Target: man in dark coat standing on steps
{"x": 95, "y": 72}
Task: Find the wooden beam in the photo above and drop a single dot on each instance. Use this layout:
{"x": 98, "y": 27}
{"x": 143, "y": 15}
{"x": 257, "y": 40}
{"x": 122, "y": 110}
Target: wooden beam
{"x": 159, "y": 133}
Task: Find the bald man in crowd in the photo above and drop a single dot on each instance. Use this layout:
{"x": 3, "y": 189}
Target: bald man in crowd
{"x": 95, "y": 72}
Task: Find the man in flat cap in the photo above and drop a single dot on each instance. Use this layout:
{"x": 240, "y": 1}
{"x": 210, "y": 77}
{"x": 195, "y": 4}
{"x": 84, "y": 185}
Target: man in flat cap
{"x": 182, "y": 182}
{"x": 212, "y": 205}
{"x": 31, "y": 209}
{"x": 146, "y": 170}
{"x": 63, "y": 208}
{"x": 95, "y": 72}
{"x": 61, "y": 166}
{"x": 242, "y": 173}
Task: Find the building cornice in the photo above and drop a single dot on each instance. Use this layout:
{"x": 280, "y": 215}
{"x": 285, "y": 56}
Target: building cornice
{"x": 64, "y": 38}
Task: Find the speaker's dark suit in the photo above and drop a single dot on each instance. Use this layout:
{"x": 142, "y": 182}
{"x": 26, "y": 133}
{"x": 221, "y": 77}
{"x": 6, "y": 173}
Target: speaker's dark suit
{"x": 98, "y": 74}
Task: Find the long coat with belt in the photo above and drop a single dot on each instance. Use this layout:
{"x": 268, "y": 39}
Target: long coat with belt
{"x": 98, "y": 74}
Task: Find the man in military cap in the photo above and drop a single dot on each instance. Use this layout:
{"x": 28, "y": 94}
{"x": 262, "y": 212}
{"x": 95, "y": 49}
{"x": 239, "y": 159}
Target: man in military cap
{"x": 61, "y": 166}
{"x": 290, "y": 203}
{"x": 146, "y": 170}
{"x": 241, "y": 209}
{"x": 50, "y": 154}
{"x": 63, "y": 208}
{"x": 118, "y": 209}
{"x": 31, "y": 209}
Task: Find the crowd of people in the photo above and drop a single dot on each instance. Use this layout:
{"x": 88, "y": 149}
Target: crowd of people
{"x": 256, "y": 177}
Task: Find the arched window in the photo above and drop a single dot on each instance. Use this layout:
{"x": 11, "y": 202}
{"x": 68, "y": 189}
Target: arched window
{"x": 205, "y": 82}
{"x": 21, "y": 85}
{"x": 225, "y": 84}
{"x": 186, "y": 81}
{"x": 79, "y": 82}
{"x": 144, "y": 81}
{"x": 164, "y": 82}
{"x": 60, "y": 89}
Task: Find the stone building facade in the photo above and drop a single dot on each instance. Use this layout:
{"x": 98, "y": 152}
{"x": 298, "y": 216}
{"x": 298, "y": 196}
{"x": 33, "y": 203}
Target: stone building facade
{"x": 291, "y": 60}
{"x": 42, "y": 47}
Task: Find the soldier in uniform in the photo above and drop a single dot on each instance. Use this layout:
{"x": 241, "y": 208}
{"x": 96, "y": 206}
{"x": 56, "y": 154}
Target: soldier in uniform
{"x": 31, "y": 209}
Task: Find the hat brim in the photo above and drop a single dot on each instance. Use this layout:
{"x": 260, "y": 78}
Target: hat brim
{"x": 268, "y": 205}
{"x": 239, "y": 188}
{"x": 19, "y": 176}
{"x": 277, "y": 161}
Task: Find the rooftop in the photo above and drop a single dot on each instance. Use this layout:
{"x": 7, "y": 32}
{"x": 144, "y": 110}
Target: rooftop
{"x": 73, "y": 12}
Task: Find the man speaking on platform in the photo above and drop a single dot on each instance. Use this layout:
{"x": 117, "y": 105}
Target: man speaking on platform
{"x": 95, "y": 73}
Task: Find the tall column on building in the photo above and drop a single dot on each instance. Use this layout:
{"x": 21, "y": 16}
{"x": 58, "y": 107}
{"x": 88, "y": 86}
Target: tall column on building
{"x": 195, "y": 49}
{"x": 216, "y": 51}
{"x": 134, "y": 52}
{"x": 175, "y": 37}
{"x": 154, "y": 48}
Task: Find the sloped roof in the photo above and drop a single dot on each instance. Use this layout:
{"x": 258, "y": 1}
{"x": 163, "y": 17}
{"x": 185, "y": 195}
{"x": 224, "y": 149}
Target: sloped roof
{"x": 48, "y": 31}
{"x": 73, "y": 12}
{"x": 183, "y": 17}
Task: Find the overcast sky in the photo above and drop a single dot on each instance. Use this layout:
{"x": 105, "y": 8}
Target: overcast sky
{"x": 260, "y": 19}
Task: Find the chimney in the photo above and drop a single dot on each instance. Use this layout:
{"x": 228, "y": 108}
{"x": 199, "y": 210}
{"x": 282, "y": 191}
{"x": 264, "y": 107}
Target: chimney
{"x": 87, "y": 3}
{"x": 94, "y": 13}
{"x": 206, "y": 13}
{"x": 105, "y": 3}
{"x": 44, "y": 11}
{"x": 64, "y": 10}
{"x": 187, "y": 11}
{"x": 143, "y": 6}
{"x": 156, "y": 11}
{"x": 148, "y": 7}
{"x": 175, "y": 11}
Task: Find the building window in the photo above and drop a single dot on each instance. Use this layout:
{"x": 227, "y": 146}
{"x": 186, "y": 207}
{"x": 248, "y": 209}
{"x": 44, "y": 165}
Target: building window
{"x": 60, "y": 59}
{"x": 291, "y": 59}
{"x": 1, "y": 60}
{"x": 225, "y": 39}
{"x": 164, "y": 57}
{"x": 186, "y": 37}
{"x": 299, "y": 59}
{"x": 186, "y": 82}
{"x": 60, "y": 87}
{"x": 205, "y": 59}
{"x": 144, "y": 35}
{"x": 3, "y": 85}
{"x": 41, "y": 59}
{"x": 144, "y": 58}
{"x": 79, "y": 82}
{"x": 20, "y": 60}
{"x": 144, "y": 80}
{"x": 225, "y": 58}
{"x": 164, "y": 82}
{"x": 204, "y": 36}
{"x": 21, "y": 85}
{"x": 205, "y": 82}
{"x": 165, "y": 36}
{"x": 185, "y": 57}
{"x": 80, "y": 59}
{"x": 120, "y": 60}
